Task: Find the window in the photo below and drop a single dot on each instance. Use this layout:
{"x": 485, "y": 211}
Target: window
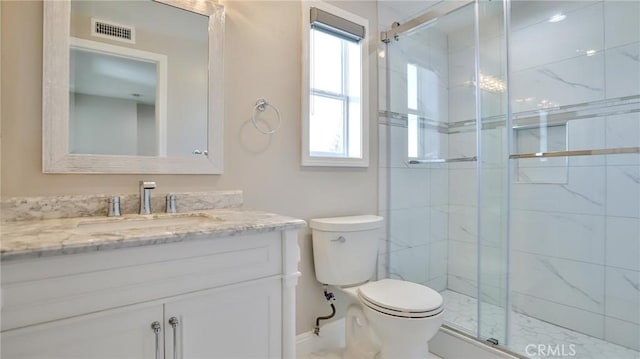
{"x": 335, "y": 102}
{"x": 415, "y": 139}
{"x": 424, "y": 114}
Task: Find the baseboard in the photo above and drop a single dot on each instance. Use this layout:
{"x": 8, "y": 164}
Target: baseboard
{"x": 331, "y": 336}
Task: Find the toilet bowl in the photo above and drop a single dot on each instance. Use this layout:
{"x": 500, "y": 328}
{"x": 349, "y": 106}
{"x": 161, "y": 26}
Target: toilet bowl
{"x": 389, "y": 318}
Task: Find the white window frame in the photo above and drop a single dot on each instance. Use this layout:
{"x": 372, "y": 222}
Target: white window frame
{"x": 307, "y": 159}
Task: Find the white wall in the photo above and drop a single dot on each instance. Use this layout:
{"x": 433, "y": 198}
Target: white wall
{"x": 103, "y": 125}
{"x": 262, "y": 59}
{"x": 147, "y": 145}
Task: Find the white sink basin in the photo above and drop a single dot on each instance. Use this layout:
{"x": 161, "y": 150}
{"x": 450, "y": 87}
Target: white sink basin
{"x": 142, "y": 222}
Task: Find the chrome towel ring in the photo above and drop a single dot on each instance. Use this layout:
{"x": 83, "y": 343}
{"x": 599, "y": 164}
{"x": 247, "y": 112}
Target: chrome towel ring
{"x": 261, "y": 106}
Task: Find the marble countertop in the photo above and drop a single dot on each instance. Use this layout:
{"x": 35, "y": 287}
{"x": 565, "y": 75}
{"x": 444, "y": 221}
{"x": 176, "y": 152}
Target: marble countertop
{"x": 50, "y": 237}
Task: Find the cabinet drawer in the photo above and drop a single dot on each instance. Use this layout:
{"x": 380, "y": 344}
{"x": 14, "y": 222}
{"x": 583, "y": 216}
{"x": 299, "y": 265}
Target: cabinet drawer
{"x": 45, "y": 289}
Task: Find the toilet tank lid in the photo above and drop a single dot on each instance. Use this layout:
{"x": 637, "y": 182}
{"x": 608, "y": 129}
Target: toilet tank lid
{"x": 347, "y": 224}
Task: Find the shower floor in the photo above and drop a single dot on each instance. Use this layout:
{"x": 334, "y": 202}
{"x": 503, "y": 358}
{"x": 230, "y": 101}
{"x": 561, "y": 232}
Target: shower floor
{"x": 461, "y": 312}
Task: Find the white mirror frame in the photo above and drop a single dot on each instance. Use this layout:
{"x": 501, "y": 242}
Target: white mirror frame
{"x": 55, "y": 102}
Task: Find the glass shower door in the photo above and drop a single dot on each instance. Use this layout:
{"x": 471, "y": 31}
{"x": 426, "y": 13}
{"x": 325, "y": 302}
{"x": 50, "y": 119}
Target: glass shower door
{"x": 416, "y": 121}
{"x": 529, "y": 223}
{"x": 493, "y": 170}
{"x": 434, "y": 173}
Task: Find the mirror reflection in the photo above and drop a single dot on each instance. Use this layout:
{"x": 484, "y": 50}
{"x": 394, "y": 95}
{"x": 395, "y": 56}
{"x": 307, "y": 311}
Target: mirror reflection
{"x": 137, "y": 86}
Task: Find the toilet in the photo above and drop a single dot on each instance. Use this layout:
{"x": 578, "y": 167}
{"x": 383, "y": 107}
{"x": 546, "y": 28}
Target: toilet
{"x": 389, "y": 318}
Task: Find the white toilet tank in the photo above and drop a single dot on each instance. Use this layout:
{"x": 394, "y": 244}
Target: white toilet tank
{"x": 345, "y": 249}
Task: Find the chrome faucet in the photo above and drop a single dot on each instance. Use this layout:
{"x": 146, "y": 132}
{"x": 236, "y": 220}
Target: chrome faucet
{"x": 171, "y": 203}
{"x": 114, "y": 206}
{"x": 145, "y": 196}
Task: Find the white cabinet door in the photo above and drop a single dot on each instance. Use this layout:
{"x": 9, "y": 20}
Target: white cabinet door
{"x": 113, "y": 334}
{"x": 238, "y": 321}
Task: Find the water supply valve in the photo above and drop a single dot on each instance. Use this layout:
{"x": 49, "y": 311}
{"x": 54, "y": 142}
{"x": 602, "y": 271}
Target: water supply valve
{"x": 329, "y": 296}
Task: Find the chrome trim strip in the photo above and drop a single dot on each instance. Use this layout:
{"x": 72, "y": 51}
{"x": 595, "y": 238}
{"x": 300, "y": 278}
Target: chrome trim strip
{"x": 598, "y": 152}
{"x": 557, "y": 116}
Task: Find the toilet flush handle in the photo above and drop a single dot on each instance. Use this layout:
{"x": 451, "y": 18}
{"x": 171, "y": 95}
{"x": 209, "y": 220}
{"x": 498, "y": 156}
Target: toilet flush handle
{"x": 340, "y": 239}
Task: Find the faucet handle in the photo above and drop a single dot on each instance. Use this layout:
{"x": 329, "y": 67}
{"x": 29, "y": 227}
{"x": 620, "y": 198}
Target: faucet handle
{"x": 145, "y": 196}
{"x": 147, "y": 184}
{"x": 114, "y": 206}
{"x": 171, "y": 203}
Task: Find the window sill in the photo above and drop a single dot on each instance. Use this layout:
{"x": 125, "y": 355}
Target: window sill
{"x": 335, "y": 162}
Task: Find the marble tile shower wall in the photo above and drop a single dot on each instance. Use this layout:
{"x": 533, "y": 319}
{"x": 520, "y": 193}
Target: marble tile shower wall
{"x": 575, "y": 223}
{"x": 462, "y": 204}
{"x": 575, "y": 245}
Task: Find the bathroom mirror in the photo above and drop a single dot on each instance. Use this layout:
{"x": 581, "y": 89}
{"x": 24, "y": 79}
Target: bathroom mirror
{"x": 133, "y": 86}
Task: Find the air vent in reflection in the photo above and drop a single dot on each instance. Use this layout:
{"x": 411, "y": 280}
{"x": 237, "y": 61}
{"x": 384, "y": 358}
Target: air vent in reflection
{"x": 113, "y": 31}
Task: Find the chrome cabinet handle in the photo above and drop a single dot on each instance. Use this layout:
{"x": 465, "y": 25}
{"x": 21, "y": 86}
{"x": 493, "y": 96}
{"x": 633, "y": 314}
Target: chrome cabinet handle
{"x": 156, "y": 327}
{"x": 340, "y": 239}
{"x": 173, "y": 321}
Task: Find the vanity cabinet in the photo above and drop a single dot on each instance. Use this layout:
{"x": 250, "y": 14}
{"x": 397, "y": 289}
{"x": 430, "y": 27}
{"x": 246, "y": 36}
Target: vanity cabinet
{"x": 239, "y": 322}
{"x": 227, "y": 297}
{"x": 111, "y": 334}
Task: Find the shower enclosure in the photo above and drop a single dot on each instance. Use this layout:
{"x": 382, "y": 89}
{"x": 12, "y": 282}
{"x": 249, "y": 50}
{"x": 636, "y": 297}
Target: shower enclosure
{"x": 510, "y": 168}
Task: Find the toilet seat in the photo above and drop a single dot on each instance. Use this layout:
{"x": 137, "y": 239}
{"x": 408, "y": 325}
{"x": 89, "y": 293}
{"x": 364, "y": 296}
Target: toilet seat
{"x": 401, "y": 298}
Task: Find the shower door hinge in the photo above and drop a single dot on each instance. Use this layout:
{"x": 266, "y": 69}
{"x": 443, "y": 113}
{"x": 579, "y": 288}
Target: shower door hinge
{"x": 493, "y": 341}
{"x": 384, "y": 38}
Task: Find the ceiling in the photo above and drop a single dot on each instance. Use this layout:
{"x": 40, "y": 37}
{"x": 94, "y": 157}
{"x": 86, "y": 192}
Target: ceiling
{"x": 111, "y": 76}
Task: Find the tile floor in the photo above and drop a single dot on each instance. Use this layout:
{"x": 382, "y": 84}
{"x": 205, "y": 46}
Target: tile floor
{"x": 461, "y": 312}
{"x": 337, "y": 354}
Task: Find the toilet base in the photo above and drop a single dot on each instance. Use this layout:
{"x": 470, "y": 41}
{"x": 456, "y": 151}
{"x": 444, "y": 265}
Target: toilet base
{"x": 403, "y": 338}
{"x": 363, "y": 343}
